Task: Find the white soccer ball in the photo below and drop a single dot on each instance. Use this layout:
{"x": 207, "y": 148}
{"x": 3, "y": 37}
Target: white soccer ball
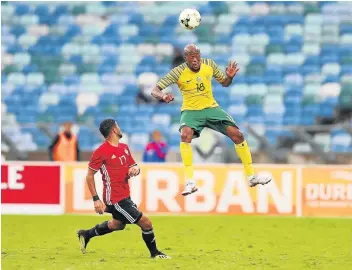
{"x": 189, "y": 18}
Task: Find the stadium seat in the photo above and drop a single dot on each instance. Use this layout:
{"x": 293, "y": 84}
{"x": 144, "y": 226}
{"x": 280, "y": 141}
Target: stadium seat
{"x": 90, "y": 61}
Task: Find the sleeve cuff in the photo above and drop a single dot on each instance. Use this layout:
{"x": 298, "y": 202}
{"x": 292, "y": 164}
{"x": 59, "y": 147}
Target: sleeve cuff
{"x": 92, "y": 169}
{"x": 161, "y": 86}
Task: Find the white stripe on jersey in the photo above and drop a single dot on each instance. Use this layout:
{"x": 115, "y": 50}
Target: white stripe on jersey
{"x": 108, "y": 185}
{"x": 124, "y": 213}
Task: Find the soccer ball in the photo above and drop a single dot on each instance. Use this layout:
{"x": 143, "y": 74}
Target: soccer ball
{"x": 189, "y": 18}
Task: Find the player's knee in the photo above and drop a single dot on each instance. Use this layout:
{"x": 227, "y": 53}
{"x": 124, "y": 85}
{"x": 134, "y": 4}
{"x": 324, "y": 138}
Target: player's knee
{"x": 240, "y": 136}
{"x": 116, "y": 225}
{"x": 186, "y": 134}
{"x": 145, "y": 223}
{"x": 235, "y": 135}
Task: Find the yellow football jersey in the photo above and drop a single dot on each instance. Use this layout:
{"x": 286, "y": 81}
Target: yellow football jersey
{"x": 195, "y": 87}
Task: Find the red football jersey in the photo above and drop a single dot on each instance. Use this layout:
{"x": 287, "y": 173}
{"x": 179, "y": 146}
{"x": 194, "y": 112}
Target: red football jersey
{"x": 113, "y": 163}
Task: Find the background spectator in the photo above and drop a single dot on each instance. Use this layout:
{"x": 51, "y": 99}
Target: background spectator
{"x": 156, "y": 150}
{"x": 146, "y": 82}
{"x": 65, "y": 145}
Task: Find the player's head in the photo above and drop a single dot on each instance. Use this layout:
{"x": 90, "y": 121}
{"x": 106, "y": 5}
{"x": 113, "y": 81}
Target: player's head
{"x": 156, "y": 135}
{"x": 67, "y": 127}
{"x": 109, "y": 127}
{"x": 192, "y": 56}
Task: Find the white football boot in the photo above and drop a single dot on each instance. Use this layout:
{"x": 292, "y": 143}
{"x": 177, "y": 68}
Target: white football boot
{"x": 190, "y": 187}
{"x": 254, "y": 180}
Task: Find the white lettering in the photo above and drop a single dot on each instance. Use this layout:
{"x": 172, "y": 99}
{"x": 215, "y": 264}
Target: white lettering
{"x": 325, "y": 192}
{"x": 206, "y": 191}
{"x": 3, "y": 185}
{"x": 235, "y": 181}
{"x": 282, "y": 201}
{"x": 14, "y": 177}
{"x": 166, "y": 195}
{"x": 312, "y": 192}
{"x": 338, "y": 192}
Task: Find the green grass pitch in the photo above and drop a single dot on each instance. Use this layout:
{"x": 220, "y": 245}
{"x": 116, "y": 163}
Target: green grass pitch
{"x": 194, "y": 242}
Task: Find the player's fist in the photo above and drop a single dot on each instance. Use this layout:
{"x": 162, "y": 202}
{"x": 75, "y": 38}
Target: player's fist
{"x": 99, "y": 207}
{"x": 168, "y": 98}
{"x": 133, "y": 171}
{"x": 232, "y": 69}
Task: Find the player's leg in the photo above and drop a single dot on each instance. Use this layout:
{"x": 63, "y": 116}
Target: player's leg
{"x": 132, "y": 215}
{"x": 149, "y": 238}
{"x": 187, "y": 159}
{"x": 244, "y": 153}
{"x": 106, "y": 227}
{"x": 221, "y": 121}
{"x": 192, "y": 124}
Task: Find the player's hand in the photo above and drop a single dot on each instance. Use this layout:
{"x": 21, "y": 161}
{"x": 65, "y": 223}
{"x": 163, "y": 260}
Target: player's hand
{"x": 168, "y": 98}
{"x": 133, "y": 171}
{"x": 232, "y": 69}
{"x": 99, "y": 207}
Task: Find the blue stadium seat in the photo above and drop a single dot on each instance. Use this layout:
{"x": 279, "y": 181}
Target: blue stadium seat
{"x": 310, "y": 110}
{"x": 60, "y": 10}
{"x": 22, "y": 9}
{"x": 254, "y": 110}
{"x": 171, "y": 21}
{"x": 326, "y": 110}
{"x": 346, "y": 69}
{"x": 61, "y": 45}
{"x": 312, "y": 60}
{"x": 291, "y": 120}
{"x": 29, "y": 68}
{"x": 275, "y": 31}
{"x": 307, "y": 120}
{"x": 136, "y": 18}
{"x": 310, "y": 69}
{"x": 42, "y": 10}
{"x": 331, "y": 79}
{"x": 18, "y": 30}
{"x": 273, "y": 119}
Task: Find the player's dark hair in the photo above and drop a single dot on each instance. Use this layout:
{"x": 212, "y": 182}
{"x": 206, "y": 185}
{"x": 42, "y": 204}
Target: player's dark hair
{"x": 106, "y": 127}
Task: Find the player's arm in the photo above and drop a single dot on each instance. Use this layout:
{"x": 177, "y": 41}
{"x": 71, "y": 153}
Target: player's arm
{"x": 134, "y": 169}
{"x": 158, "y": 94}
{"x": 231, "y": 71}
{"x": 96, "y": 161}
{"x": 224, "y": 80}
{"x": 164, "y": 82}
{"x": 91, "y": 183}
{"x": 98, "y": 204}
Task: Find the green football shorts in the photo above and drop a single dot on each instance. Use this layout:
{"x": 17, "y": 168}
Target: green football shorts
{"x": 215, "y": 118}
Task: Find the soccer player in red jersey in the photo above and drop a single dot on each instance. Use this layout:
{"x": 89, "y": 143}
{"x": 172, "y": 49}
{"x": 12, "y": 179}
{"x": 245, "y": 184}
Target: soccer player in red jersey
{"x": 116, "y": 164}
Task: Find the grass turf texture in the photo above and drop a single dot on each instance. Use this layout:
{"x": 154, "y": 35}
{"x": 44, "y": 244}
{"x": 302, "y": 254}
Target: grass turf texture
{"x": 194, "y": 242}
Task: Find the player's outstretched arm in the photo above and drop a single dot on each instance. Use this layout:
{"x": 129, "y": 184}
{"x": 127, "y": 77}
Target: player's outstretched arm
{"x": 158, "y": 94}
{"x": 231, "y": 71}
{"x": 98, "y": 204}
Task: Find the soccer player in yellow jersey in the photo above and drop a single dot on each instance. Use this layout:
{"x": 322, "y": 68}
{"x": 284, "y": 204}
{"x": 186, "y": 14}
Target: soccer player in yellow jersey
{"x": 200, "y": 109}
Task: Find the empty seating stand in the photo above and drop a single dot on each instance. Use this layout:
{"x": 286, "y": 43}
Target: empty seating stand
{"x": 85, "y": 61}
